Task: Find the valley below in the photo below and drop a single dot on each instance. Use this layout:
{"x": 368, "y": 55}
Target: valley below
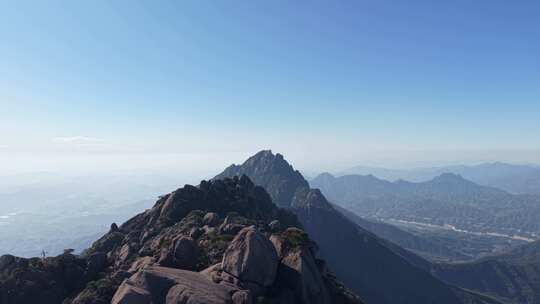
{"x": 471, "y": 244}
{"x": 459, "y": 220}
{"x": 406, "y": 224}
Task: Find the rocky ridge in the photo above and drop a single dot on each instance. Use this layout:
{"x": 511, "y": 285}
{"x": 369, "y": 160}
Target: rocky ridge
{"x": 221, "y": 242}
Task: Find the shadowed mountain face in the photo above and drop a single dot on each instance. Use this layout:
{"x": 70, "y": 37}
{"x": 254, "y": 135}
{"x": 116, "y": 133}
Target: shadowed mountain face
{"x": 448, "y": 199}
{"x": 223, "y": 242}
{"x": 370, "y": 266}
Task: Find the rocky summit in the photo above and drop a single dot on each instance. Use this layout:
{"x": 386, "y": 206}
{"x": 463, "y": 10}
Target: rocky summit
{"x": 279, "y": 178}
{"x": 223, "y": 241}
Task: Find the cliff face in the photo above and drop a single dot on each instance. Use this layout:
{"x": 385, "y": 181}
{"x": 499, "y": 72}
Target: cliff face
{"x": 221, "y": 242}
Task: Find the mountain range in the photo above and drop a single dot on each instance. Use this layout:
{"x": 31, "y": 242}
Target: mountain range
{"x": 447, "y": 201}
{"x": 517, "y": 179}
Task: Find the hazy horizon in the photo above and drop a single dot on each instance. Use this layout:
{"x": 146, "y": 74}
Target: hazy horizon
{"x": 196, "y": 166}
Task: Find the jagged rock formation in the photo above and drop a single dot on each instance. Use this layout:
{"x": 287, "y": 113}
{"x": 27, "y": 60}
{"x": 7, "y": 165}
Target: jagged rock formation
{"x": 373, "y": 268}
{"x": 46, "y": 280}
{"x": 251, "y": 258}
{"x": 221, "y": 242}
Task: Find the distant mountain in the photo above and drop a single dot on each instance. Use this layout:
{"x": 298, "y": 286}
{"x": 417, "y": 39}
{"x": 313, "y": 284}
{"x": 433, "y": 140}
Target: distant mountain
{"x": 371, "y": 266}
{"x": 448, "y": 201}
{"x": 512, "y": 277}
{"x": 517, "y": 179}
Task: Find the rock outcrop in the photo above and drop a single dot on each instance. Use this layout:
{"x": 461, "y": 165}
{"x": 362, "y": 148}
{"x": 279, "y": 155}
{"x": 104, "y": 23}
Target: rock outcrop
{"x": 47, "y": 280}
{"x": 183, "y": 253}
{"x": 298, "y": 269}
{"x": 250, "y": 269}
{"x": 156, "y": 284}
{"x": 251, "y": 258}
{"x": 281, "y": 269}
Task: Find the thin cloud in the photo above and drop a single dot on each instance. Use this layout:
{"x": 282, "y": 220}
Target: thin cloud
{"x": 78, "y": 140}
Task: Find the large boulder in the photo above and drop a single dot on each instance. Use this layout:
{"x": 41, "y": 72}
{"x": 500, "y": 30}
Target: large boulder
{"x": 129, "y": 294}
{"x": 182, "y": 253}
{"x": 185, "y": 252}
{"x": 160, "y": 285}
{"x": 195, "y": 288}
{"x": 140, "y": 263}
{"x": 251, "y": 257}
{"x": 298, "y": 268}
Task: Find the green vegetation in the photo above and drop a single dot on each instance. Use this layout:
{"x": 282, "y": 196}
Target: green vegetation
{"x": 294, "y": 238}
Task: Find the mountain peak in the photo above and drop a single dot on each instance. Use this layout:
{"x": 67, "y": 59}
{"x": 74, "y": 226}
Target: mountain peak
{"x": 280, "y": 179}
{"x": 264, "y": 154}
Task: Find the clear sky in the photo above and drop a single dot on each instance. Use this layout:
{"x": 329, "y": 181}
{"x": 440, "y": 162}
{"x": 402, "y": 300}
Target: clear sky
{"x": 125, "y": 84}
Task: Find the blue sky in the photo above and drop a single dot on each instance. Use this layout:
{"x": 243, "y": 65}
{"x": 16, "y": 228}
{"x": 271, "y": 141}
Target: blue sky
{"x": 324, "y": 82}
